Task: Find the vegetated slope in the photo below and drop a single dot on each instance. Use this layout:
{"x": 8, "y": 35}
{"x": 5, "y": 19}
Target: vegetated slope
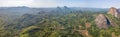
{"x": 60, "y": 23}
{"x": 70, "y": 25}
{"x": 67, "y": 23}
{"x": 73, "y": 25}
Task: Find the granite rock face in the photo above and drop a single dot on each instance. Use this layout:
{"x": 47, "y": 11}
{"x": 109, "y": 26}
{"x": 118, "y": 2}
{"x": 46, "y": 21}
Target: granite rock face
{"x": 114, "y": 11}
{"x": 102, "y": 21}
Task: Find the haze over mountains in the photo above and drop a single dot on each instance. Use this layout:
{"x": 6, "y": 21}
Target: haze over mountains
{"x": 59, "y": 18}
{"x": 13, "y": 12}
{"x": 59, "y": 22}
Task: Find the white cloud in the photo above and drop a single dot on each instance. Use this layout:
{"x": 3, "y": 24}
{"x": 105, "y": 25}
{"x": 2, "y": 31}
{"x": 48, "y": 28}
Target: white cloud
{"x": 15, "y": 2}
{"x": 39, "y": 3}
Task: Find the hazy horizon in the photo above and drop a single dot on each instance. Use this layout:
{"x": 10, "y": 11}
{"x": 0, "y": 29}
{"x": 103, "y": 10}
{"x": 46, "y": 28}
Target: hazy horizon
{"x": 61, "y": 3}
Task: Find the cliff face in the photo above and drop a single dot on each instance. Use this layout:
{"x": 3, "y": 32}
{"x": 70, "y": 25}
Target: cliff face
{"x": 113, "y": 11}
{"x": 102, "y": 21}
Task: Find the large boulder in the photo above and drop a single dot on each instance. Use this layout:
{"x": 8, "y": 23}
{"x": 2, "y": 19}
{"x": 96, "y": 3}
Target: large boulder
{"x": 102, "y": 21}
{"x": 113, "y": 11}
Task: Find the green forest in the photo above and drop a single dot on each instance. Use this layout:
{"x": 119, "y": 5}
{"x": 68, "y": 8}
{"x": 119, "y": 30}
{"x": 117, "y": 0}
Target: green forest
{"x": 60, "y": 23}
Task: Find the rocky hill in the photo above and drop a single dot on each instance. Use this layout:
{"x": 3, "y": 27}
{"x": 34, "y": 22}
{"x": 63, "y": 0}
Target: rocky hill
{"x": 106, "y": 20}
{"x": 114, "y": 11}
{"x": 102, "y": 21}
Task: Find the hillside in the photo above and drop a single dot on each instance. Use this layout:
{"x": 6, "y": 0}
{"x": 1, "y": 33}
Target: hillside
{"x": 62, "y": 22}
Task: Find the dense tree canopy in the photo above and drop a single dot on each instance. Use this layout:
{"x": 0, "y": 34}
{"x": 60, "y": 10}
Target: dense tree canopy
{"x": 59, "y": 23}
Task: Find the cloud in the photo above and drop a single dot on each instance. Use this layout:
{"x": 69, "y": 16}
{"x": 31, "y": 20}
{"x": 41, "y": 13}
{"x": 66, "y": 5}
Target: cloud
{"x": 15, "y": 2}
{"x": 54, "y": 3}
{"x": 40, "y": 3}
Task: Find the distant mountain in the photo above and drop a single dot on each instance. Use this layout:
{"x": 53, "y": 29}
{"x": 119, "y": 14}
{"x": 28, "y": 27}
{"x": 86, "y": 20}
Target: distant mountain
{"x": 58, "y": 22}
{"x": 91, "y": 9}
{"x": 8, "y": 13}
{"x": 23, "y": 10}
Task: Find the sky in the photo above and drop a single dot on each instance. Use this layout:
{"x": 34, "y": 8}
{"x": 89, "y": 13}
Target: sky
{"x": 61, "y": 3}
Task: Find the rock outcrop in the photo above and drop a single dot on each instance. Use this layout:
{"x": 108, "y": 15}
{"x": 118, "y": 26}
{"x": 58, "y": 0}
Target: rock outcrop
{"x": 102, "y": 21}
{"x": 113, "y": 11}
